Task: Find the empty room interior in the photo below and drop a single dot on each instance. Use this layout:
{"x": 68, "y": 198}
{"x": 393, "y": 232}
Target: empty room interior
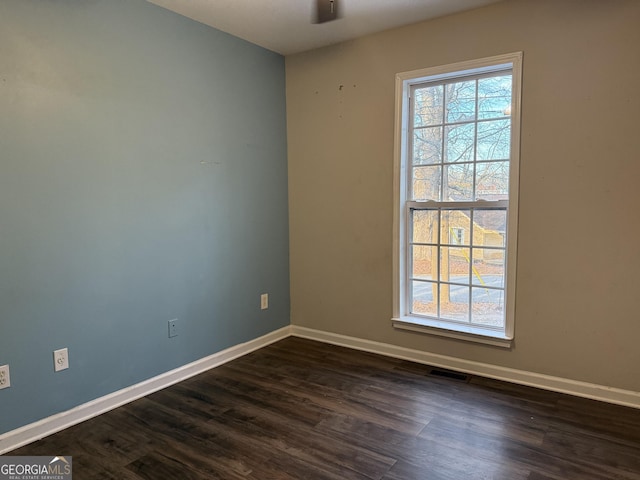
{"x": 240, "y": 240}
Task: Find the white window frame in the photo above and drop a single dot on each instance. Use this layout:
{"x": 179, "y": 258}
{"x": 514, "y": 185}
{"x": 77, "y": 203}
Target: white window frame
{"x": 401, "y": 312}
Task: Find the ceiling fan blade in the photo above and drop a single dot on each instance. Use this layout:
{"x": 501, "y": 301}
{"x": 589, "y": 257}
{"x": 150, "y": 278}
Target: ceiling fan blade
{"x": 326, "y": 10}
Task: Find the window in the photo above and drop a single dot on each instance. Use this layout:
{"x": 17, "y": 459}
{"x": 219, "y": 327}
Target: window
{"x": 457, "y": 235}
{"x": 456, "y": 181}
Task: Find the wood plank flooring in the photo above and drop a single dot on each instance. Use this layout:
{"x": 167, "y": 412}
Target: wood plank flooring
{"x": 300, "y": 409}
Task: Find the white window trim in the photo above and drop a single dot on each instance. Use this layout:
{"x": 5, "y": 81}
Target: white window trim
{"x": 401, "y": 317}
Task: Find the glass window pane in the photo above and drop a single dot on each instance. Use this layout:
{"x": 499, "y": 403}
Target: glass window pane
{"x": 489, "y": 228}
{"x": 425, "y": 262}
{"x": 423, "y": 298}
{"x": 494, "y": 140}
{"x": 425, "y": 226}
{"x": 426, "y": 183}
{"x": 492, "y": 181}
{"x": 460, "y": 142}
{"x": 456, "y": 225}
{"x": 494, "y": 97}
{"x": 454, "y": 302}
{"x": 461, "y": 101}
{"x": 427, "y": 146}
{"x": 454, "y": 265}
{"x": 459, "y": 154}
{"x": 458, "y": 182}
{"x": 488, "y": 267}
{"x": 428, "y": 105}
{"x": 488, "y": 307}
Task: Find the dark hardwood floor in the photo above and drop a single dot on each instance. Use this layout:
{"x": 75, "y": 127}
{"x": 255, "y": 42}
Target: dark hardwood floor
{"x": 299, "y": 409}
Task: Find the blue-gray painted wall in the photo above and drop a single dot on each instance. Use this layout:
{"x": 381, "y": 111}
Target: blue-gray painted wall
{"x": 143, "y": 177}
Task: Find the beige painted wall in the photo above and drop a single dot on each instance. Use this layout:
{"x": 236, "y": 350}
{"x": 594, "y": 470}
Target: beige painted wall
{"x": 578, "y": 295}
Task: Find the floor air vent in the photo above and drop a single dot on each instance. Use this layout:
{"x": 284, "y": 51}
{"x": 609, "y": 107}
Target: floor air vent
{"x": 442, "y": 373}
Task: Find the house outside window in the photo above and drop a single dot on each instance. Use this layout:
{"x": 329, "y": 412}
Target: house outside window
{"x": 456, "y": 192}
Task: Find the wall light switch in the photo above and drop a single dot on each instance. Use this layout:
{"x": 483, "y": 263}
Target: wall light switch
{"x": 264, "y": 301}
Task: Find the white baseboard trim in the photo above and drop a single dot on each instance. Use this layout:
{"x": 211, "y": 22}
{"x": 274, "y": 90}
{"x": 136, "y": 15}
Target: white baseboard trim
{"x": 47, "y": 426}
{"x": 35, "y": 431}
{"x": 593, "y": 391}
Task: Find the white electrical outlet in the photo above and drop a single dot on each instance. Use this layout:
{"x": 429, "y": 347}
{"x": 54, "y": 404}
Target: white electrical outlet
{"x": 5, "y": 379}
{"x": 264, "y": 301}
{"x": 173, "y": 328}
{"x": 60, "y": 359}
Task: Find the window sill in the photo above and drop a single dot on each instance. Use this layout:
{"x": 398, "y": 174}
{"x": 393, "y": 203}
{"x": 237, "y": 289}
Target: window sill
{"x": 459, "y": 332}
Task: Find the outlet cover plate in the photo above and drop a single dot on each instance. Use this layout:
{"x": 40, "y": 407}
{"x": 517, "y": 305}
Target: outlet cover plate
{"x": 264, "y": 301}
{"x": 5, "y": 379}
{"x": 60, "y": 359}
{"x": 173, "y": 328}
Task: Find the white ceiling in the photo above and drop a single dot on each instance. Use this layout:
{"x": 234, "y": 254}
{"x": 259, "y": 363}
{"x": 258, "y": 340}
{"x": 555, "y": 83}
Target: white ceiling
{"x": 285, "y": 26}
